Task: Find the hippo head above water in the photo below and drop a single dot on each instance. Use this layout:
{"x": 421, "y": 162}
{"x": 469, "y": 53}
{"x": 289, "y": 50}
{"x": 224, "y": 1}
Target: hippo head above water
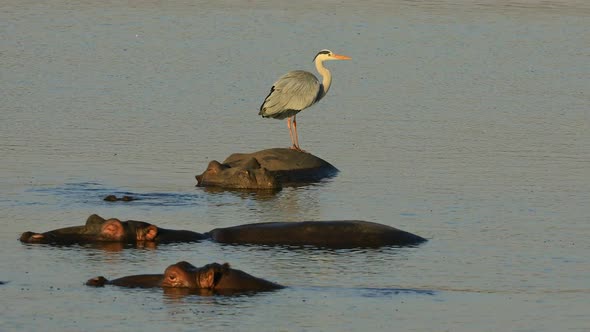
{"x": 215, "y": 277}
{"x": 98, "y": 229}
{"x": 248, "y": 176}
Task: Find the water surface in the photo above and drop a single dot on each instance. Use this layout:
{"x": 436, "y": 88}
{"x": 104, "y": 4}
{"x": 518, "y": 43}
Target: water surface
{"x": 463, "y": 122}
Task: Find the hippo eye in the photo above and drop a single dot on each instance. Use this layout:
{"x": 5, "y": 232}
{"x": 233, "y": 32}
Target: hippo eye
{"x": 172, "y": 277}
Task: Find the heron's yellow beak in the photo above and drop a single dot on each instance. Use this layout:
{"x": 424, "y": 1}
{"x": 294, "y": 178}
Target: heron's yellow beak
{"x": 341, "y": 57}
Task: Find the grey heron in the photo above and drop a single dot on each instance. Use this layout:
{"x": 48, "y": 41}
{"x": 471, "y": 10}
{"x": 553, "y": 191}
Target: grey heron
{"x": 296, "y": 91}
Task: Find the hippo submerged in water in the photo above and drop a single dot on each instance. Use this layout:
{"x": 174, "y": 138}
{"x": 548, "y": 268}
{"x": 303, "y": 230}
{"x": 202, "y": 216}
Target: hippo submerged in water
{"x": 266, "y": 169}
{"x": 213, "y": 278}
{"x": 327, "y": 234}
{"x": 113, "y": 198}
{"x": 97, "y": 229}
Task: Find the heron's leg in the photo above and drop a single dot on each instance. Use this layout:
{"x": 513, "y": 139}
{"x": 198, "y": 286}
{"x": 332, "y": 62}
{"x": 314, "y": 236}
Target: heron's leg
{"x": 296, "y": 144}
{"x": 295, "y": 132}
{"x": 290, "y": 132}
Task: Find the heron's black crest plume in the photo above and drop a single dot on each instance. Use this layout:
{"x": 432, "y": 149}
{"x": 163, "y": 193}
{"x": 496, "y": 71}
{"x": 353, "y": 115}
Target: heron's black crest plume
{"x": 321, "y": 52}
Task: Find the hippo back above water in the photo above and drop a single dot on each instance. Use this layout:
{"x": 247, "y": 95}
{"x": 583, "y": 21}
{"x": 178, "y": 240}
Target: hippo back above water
{"x": 266, "y": 169}
{"x": 98, "y": 229}
{"x": 327, "y": 234}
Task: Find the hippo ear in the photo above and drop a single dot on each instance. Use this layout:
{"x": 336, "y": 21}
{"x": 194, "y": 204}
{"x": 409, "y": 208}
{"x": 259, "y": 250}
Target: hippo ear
{"x": 94, "y": 219}
{"x": 151, "y": 232}
{"x": 252, "y": 163}
{"x": 214, "y": 167}
{"x": 207, "y": 279}
{"x": 112, "y": 229}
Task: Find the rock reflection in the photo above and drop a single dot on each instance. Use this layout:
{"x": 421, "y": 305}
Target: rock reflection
{"x": 257, "y": 194}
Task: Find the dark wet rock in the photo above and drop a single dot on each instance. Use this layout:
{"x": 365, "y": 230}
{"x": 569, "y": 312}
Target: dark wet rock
{"x": 266, "y": 169}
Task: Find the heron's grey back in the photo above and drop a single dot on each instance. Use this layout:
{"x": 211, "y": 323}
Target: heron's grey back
{"x": 293, "y": 92}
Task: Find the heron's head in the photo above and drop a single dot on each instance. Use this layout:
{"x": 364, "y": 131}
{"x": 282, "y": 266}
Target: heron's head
{"x": 324, "y": 55}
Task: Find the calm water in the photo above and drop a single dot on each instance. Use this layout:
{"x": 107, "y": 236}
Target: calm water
{"x": 464, "y": 123}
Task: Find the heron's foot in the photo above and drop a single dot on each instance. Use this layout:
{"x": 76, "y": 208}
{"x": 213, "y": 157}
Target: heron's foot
{"x": 296, "y": 148}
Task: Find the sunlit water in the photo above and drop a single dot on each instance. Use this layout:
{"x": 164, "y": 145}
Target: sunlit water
{"x": 464, "y": 122}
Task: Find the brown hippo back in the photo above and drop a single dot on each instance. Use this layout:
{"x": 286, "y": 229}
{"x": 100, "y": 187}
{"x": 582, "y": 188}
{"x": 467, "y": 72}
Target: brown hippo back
{"x": 238, "y": 280}
{"x": 329, "y": 234}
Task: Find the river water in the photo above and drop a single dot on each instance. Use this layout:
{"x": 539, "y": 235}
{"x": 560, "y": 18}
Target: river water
{"x": 464, "y": 122}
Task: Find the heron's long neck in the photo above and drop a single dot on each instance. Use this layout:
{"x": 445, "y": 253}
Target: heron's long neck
{"x": 326, "y": 78}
